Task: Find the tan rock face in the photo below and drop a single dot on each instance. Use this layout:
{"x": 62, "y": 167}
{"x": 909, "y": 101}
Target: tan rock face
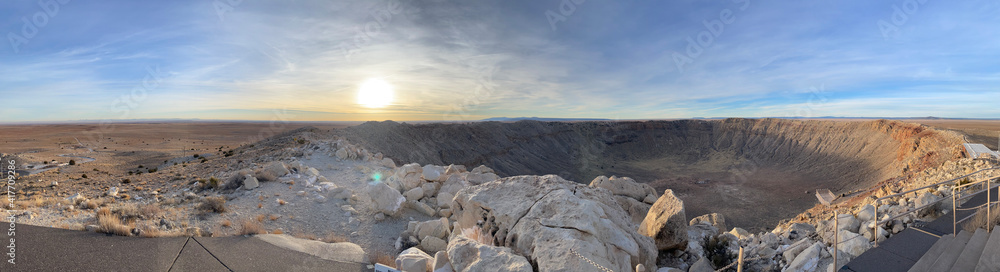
{"x": 666, "y": 222}
{"x": 714, "y": 219}
{"x": 468, "y": 255}
{"x": 547, "y": 218}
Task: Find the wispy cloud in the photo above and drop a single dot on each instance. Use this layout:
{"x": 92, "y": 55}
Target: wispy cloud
{"x": 480, "y": 59}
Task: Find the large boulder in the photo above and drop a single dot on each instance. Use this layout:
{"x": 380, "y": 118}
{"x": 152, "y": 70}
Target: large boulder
{"x": 549, "y": 220}
{"x": 926, "y": 200}
{"x": 433, "y": 173}
{"x": 852, "y": 243}
{"x": 250, "y": 182}
{"x": 636, "y": 210}
{"x": 414, "y": 260}
{"x": 714, "y": 219}
{"x": 866, "y": 213}
{"x": 468, "y": 255}
{"x": 666, "y": 222}
{"x": 276, "y": 169}
{"x": 409, "y": 176}
{"x": 808, "y": 260}
{"x": 624, "y": 186}
{"x": 433, "y": 228}
{"x": 385, "y": 199}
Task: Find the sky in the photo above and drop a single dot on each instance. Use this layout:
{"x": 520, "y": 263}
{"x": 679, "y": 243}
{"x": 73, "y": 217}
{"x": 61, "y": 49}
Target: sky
{"x": 468, "y": 60}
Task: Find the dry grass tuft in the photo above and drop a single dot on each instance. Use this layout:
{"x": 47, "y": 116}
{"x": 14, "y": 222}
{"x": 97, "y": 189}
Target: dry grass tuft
{"x": 277, "y": 231}
{"x": 380, "y": 257}
{"x": 213, "y": 204}
{"x": 334, "y": 238}
{"x": 307, "y": 236}
{"x": 250, "y": 227}
{"x": 260, "y": 205}
{"x": 260, "y": 217}
{"x": 281, "y": 202}
{"x": 151, "y": 210}
{"x": 274, "y": 217}
{"x": 227, "y": 223}
{"x": 112, "y": 224}
{"x": 981, "y": 222}
{"x": 477, "y": 234}
{"x": 262, "y": 175}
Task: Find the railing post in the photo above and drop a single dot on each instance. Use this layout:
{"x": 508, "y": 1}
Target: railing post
{"x": 989, "y": 197}
{"x": 836, "y": 240}
{"x": 874, "y": 230}
{"x": 954, "y": 216}
{"x": 739, "y": 267}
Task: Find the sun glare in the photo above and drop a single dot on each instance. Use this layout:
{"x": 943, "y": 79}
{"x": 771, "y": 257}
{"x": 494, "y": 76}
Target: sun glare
{"x": 375, "y": 93}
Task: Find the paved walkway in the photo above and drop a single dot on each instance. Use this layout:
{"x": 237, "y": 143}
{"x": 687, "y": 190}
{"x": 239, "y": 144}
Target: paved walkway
{"x": 902, "y": 250}
{"x": 50, "y": 249}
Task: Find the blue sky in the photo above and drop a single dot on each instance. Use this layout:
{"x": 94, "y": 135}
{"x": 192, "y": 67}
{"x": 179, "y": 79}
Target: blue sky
{"x": 466, "y": 60}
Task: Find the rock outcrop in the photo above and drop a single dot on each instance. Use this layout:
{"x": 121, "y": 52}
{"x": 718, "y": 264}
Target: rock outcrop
{"x": 554, "y": 223}
{"x": 468, "y": 255}
{"x": 666, "y": 222}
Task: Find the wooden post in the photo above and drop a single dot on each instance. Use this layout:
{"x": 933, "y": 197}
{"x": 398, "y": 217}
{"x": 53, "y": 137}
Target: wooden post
{"x": 836, "y": 225}
{"x": 739, "y": 266}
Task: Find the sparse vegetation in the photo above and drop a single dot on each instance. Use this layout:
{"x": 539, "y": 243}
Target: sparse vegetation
{"x": 250, "y": 227}
{"x": 981, "y": 222}
{"x": 380, "y": 257}
{"x": 334, "y": 238}
{"x": 717, "y": 250}
{"x": 84, "y": 176}
{"x": 227, "y": 223}
{"x": 72, "y": 162}
{"x": 215, "y": 204}
{"x": 477, "y": 234}
{"x": 111, "y": 224}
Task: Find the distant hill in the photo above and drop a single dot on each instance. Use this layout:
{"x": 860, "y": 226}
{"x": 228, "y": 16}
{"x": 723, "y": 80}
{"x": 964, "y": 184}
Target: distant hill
{"x": 512, "y": 119}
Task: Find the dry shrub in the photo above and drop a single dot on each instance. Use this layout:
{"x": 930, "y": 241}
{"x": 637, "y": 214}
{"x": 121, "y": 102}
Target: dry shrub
{"x": 128, "y": 212}
{"x": 477, "y": 234}
{"x": 277, "y": 231}
{"x": 213, "y": 204}
{"x": 250, "y": 227}
{"x": 334, "y": 238}
{"x": 260, "y": 205}
{"x": 381, "y": 257}
{"x": 262, "y": 175}
{"x": 979, "y": 221}
{"x": 307, "y": 236}
{"x": 110, "y": 223}
{"x": 281, "y": 202}
{"x": 151, "y": 210}
{"x": 260, "y": 217}
{"x": 274, "y": 217}
{"x": 227, "y": 223}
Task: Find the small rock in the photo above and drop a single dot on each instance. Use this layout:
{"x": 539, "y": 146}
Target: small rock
{"x": 433, "y": 173}
{"x": 482, "y": 169}
{"x": 414, "y": 194}
{"x": 433, "y": 244}
{"x": 740, "y": 233}
{"x": 421, "y": 207}
{"x": 250, "y": 182}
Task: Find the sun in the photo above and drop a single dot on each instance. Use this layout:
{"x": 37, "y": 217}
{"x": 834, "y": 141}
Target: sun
{"x": 375, "y": 93}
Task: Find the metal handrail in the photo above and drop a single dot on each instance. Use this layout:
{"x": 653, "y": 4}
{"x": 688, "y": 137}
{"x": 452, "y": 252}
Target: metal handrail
{"x": 879, "y": 200}
{"x": 954, "y": 204}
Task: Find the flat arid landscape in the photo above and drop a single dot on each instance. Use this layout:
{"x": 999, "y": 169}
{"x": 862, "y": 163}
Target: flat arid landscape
{"x": 500, "y": 136}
